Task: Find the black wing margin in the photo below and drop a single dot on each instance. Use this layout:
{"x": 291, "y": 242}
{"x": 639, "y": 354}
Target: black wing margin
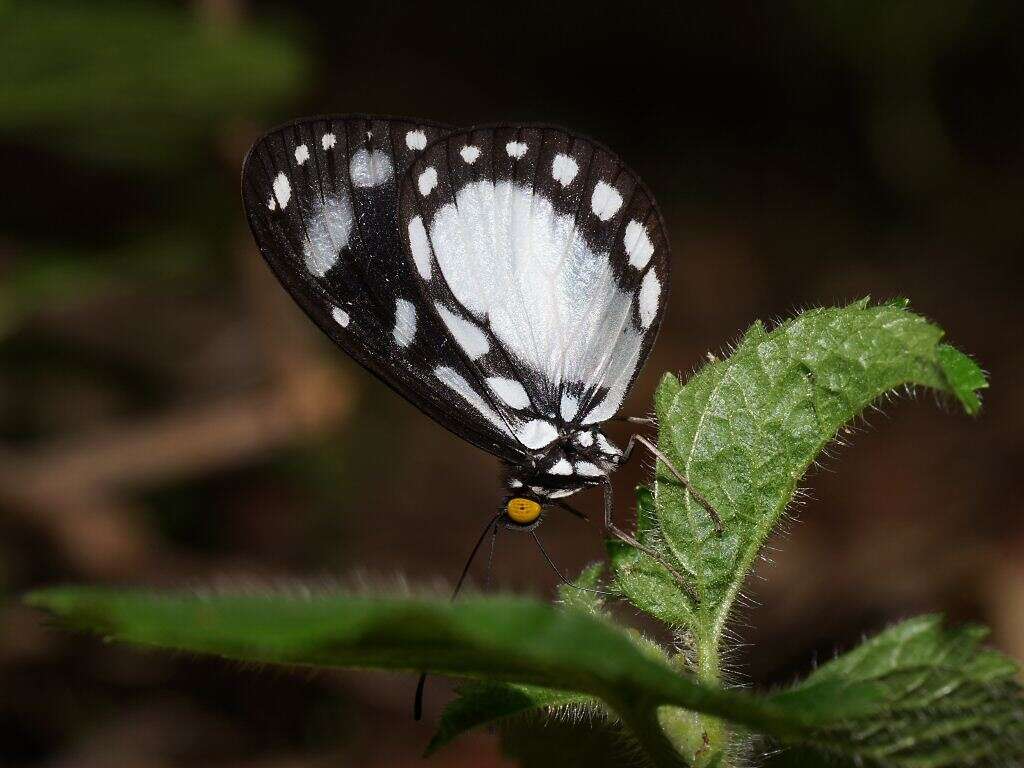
{"x": 321, "y": 197}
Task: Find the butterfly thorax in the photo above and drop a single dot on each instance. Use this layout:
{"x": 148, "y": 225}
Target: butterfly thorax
{"x": 572, "y": 462}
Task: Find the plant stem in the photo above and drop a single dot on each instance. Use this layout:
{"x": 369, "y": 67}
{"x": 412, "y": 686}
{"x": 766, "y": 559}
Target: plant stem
{"x": 709, "y": 671}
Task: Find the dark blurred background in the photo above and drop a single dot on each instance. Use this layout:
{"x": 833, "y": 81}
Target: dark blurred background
{"x": 168, "y": 416}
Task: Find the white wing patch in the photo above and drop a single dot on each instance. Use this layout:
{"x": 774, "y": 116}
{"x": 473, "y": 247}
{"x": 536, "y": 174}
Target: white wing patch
{"x": 455, "y": 382}
{"x": 467, "y": 335}
{"x": 638, "y": 244}
{"x": 606, "y": 447}
{"x": 328, "y": 140}
{"x": 419, "y": 244}
{"x": 560, "y": 467}
{"x": 370, "y": 169}
{"x": 588, "y": 469}
{"x": 301, "y": 154}
{"x": 516, "y": 149}
{"x": 416, "y": 140}
{"x": 564, "y": 169}
{"x": 427, "y": 181}
{"x": 405, "y": 322}
{"x": 585, "y": 438}
{"x": 512, "y": 261}
{"x": 647, "y": 299}
{"x": 282, "y": 190}
{"x": 329, "y": 229}
{"x": 605, "y": 201}
{"x": 510, "y": 391}
{"x": 470, "y": 153}
{"x": 536, "y": 434}
{"x": 569, "y": 407}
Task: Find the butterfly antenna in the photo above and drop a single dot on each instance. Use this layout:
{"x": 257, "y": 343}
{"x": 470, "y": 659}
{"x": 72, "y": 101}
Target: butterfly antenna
{"x": 490, "y": 556}
{"x": 417, "y": 704}
{"x": 559, "y": 573}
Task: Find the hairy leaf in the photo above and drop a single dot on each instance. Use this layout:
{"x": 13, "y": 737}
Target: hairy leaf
{"x": 744, "y": 430}
{"x": 918, "y": 694}
{"x": 584, "y": 593}
{"x": 496, "y": 638}
{"x": 641, "y": 579}
{"x": 486, "y": 703}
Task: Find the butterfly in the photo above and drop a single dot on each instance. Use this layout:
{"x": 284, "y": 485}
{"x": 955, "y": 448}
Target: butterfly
{"x": 507, "y": 280}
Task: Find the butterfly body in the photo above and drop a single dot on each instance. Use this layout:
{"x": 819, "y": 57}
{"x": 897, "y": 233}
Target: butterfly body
{"x": 507, "y": 280}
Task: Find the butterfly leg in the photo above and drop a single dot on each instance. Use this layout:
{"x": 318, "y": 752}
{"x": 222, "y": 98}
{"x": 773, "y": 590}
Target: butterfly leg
{"x": 620, "y": 534}
{"x": 647, "y": 421}
{"x": 634, "y": 439}
{"x": 571, "y": 510}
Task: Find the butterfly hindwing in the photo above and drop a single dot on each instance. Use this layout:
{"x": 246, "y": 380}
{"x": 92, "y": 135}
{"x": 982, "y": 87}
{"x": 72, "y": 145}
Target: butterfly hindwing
{"x": 547, "y": 260}
{"x": 321, "y": 198}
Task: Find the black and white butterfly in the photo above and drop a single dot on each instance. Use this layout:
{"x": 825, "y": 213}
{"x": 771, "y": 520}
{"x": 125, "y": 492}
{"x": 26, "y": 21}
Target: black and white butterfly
{"x": 507, "y": 280}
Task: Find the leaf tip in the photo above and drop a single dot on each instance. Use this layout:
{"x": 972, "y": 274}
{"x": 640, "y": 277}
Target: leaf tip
{"x": 964, "y": 377}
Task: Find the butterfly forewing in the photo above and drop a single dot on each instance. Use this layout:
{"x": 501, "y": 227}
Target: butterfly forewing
{"x": 546, "y": 259}
{"x": 321, "y": 197}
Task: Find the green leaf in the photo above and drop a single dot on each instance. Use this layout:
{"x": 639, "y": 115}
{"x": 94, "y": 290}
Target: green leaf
{"x": 497, "y": 638}
{"x": 744, "y": 431}
{"x": 479, "y": 704}
{"x": 918, "y": 694}
{"x": 584, "y": 593}
{"x": 641, "y": 579}
{"x": 964, "y": 376}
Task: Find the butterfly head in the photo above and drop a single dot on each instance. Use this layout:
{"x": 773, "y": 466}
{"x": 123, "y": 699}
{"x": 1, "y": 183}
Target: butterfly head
{"x": 523, "y": 511}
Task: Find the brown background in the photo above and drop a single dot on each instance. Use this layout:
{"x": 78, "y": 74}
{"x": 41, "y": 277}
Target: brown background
{"x": 168, "y": 416}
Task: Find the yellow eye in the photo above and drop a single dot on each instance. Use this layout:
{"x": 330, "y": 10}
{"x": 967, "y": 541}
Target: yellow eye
{"x": 523, "y": 511}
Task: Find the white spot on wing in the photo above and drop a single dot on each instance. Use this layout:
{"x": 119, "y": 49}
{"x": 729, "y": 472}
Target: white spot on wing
{"x": 536, "y": 433}
{"x": 516, "y": 149}
{"x": 454, "y": 381}
{"x": 370, "y": 169}
{"x": 588, "y": 469}
{"x": 510, "y": 391}
{"x": 282, "y": 190}
{"x": 513, "y": 483}
{"x": 606, "y": 447}
{"x": 560, "y": 467}
{"x": 301, "y": 154}
{"x": 564, "y": 169}
{"x": 416, "y": 140}
{"x": 605, "y": 201}
{"x": 470, "y": 153}
{"x": 340, "y": 316}
{"x": 329, "y": 229}
{"x": 420, "y": 246}
{"x": 466, "y": 334}
{"x": 638, "y": 244}
{"x": 647, "y": 299}
{"x": 569, "y": 407}
{"x": 405, "y": 322}
{"x": 272, "y": 203}
{"x": 328, "y": 141}
{"x": 586, "y": 439}
{"x": 427, "y": 181}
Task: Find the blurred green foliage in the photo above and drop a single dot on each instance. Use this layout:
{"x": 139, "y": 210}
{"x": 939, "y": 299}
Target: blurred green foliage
{"x": 134, "y": 85}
